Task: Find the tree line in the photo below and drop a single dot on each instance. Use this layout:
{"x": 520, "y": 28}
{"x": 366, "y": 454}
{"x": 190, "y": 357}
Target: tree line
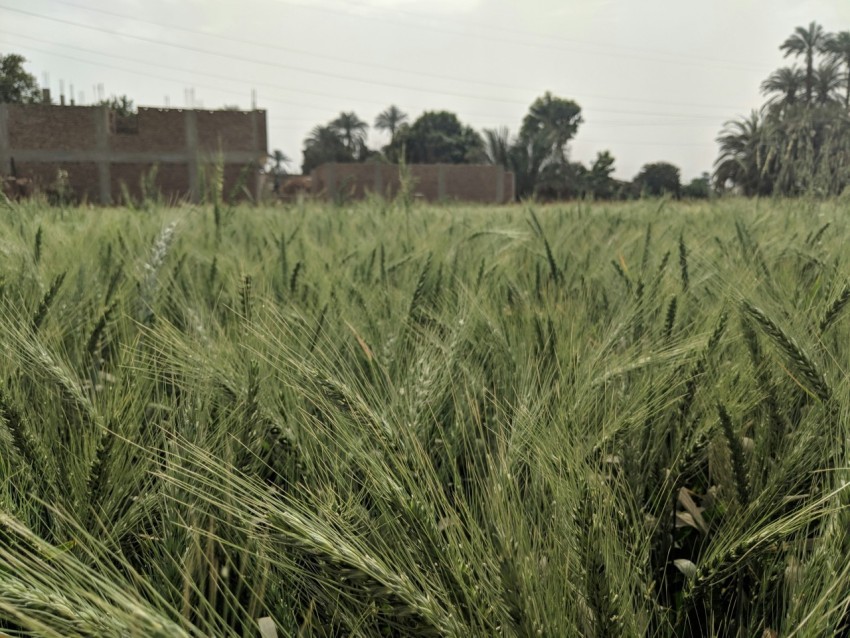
{"x": 537, "y": 154}
{"x": 798, "y": 141}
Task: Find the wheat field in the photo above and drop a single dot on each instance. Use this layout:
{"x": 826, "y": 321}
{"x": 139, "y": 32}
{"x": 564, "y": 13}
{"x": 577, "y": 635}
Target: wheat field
{"x": 387, "y": 419}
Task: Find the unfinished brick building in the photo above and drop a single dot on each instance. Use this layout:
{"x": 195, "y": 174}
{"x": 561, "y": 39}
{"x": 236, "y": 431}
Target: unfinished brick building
{"x": 101, "y": 150}
{"x": 433, "y": 182}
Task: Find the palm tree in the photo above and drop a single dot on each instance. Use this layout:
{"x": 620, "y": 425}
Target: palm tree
{"x": 525, "y": 157}
{"x": 838, "y": 47}
{"x": 806, "y": 42}
{"x": 323, "y": 136}
{"x": 529, "y": 157}
{"x": 390, "y": 120}
{"x": 743, "y": 155}
{"x": 554, "y": 119}
{"x": 828, "y": 81}
{"x": 280, "y": 159}
{"x": 497, "y": 146}
{"x": 324, "y": 144}
{"x": 785, "y": 83}
{"x": 351, "y": 129}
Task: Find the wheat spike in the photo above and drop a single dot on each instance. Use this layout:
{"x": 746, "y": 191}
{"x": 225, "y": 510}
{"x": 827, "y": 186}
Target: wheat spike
{"x": 736, "y": 453}
{"x": 798, "y": 357}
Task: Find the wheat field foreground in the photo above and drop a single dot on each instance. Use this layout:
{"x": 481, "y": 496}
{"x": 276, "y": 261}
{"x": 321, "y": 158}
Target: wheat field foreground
{"x": 378, "y": 420}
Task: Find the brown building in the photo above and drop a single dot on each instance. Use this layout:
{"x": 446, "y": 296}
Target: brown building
{"x": 434, "y": 182}
{"x": 101, "y": 150}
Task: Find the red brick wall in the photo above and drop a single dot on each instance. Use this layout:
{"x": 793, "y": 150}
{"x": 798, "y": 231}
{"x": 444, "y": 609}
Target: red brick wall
{"x": 82, "y": 176}
{"x": 262, "y": 131}
{"x": 173, "y": 181}
{"x": 355, "y": 180}
{"x": 426, "y": 181}
{"x": 43, "y": 138}
{"x": 462, "y": 182}
{"x": 227, "y": 130}
{"x": 41, "y": 127}
{"x": 237, "y": 178}
{"x": 158, "y": 130}
{"x": 510, "y": 187}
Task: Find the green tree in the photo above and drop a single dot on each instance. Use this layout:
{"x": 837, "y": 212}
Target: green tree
{"x": 784, "y": 86}
{"x": 280, "y": 160}
{"x": 16, "y": 85}
{"x": 538, "y": 155}
{"x": 828, "y": 82}
{"x": 698, "y": 187}
{"x": 809, "y": 150}
{"x": 497, "y": 146}
{"x": 600, "y": 184}
{"x": 800, "y": 142}
{"x": 122, "y": 105}
{"x": 390, "y": 120}
{"x": 838, "y": 46}
{"x": 278, "y": 169}
{"x": 806, "y": 42}
{"x": 324, "y": 144}
{"x": 351, "y": 129}
{"x": 743, "y": 153}
{"x": 559, "y": 180}
{"x": 438, "y": 137}
{"x": 554, "y": 120}
{"x": 659, "y": 178}
{"x": 525, "y": 157}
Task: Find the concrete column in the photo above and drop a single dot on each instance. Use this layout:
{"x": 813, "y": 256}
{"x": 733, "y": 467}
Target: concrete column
{"x": 260, "y": 152}
{"x": 441, "y": 182}
{"x": 500, "y": 185}
{"x": 192, "y": 153}
{"x": 255, "y": 134}
{"x": 5, "y": 145}
{"x": 104, "y": 166}
{"x": 330, "y": 176}
{"x": 379, "y": 180}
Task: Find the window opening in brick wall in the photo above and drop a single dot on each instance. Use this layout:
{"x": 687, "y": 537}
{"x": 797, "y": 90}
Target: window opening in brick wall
{"x": 124, "y": 124}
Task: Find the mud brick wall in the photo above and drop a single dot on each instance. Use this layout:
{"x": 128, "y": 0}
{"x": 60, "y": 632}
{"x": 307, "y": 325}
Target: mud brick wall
{"x": 74, "y": 129}
{"x": 101, "y": 151}
{"x": 158, "y": 130}
{"x": 228, "y": 130}
{"x": 433, "y": 182}
{"x": 82, "y": 177}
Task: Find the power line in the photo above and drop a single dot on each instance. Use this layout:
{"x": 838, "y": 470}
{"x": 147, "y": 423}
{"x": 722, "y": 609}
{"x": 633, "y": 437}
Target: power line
{"x": 185, "y": 70}
{"x": 291, "y": 128}
{"x": 466, "y": 114}
{"x": 335, "y": 96}
{"x": 157, "y": 76}
{"x": 676, "y": 57}
{"x": 302, "y": 69}
{"x": 288, "y": 67}
{"x": 605, "y": 49}
{"x": 218, "y": 88}
{"x": 275, "y": 47}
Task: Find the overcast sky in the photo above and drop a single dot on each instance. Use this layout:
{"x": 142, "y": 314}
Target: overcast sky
{"x": 656, "y": 79}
